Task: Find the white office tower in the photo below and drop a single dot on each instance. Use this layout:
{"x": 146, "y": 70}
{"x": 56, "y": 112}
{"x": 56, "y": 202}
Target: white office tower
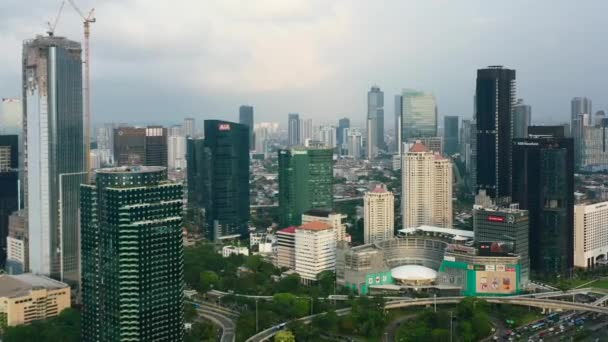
{"x": 591, "y": 235}
{"x": 105, "y": 144}
{"x": 306, "y": 131}
{"x": 264, "y": 132}
{"x": 54, "y": 154}
{"x": 379, "y": 215}
{"x": 315, "y": 250}
{"x": 335, "y": 220}
{"x": 354, "y": 142}
{"x": 427, "y": 188}
{"x": 11, "y": 116}
{"x": 327, "y": 135}
{"x": 189, "y": 127}
{"x": 176, "y": 152}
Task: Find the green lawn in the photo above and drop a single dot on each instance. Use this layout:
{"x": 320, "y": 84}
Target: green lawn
{"x": 600, "y": 284}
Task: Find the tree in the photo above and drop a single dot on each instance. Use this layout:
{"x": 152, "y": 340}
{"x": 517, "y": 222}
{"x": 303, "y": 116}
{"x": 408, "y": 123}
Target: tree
{"x": 202, "y": 331}
{"x": 327, "y": 282}
{"x": 65, "y": 327}
{"x": 284, "y": 336}
{"x": 208, "y": 279}
{"x": 189, "y": 312}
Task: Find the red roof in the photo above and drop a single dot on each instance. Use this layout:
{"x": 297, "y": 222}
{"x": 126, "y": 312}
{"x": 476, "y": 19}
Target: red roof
{"x": 418, "y": 147}
{"x": 288, "y": 230}
{"x": 379, "y": 189}
{"x": 315, "y": 225}
{"x": 439, "y": 157}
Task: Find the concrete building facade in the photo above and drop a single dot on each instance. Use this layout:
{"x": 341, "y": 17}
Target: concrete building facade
{"x": 590, "y": 234}
{"x": 315, "y": 250}
{"x": 378, "y": 215}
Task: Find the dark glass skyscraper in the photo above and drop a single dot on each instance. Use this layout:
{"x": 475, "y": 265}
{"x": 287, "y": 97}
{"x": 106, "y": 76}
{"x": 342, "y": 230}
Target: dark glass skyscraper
{"x": 543, "y": 184}
{"x": 246, "y": 118}
{"x": 134, "y": 146}
{"x": 450, "y": 135}
{"x": 305, "y": 182}
{"x": 495, "y": 95}
{"x": 156, "y": 146}
{"x": 218, "y": 178}
{"x": 343, "y": 124}
{"x": 54, "y": 153}
{"x": 132, "y": 256}
{"x": 9, "y": 186}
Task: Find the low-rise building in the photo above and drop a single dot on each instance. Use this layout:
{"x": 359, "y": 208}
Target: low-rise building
{"x": 234, "y": 250}
{"x": 286, "y": 246}
{"x": 25, "y": 298}
{"x": 590, "y": 234}
{"x": 17, "y": 244}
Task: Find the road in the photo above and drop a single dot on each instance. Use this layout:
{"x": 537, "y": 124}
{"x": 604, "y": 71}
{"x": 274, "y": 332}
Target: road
{"x": 392, "y": 327}
{"x": 226, "y": 323}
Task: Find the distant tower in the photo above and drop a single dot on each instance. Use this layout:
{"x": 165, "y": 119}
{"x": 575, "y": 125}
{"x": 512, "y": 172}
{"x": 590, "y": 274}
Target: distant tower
{"x": 580, "y": 105}
{"x": 379, "y": 215}
{"x": 189, "y": 127}
{"x": 494, "y": 100}
{"x": 450, "y": 135}
{"x": 418, "y": 115}
{"x": 375, "y": 121}
{"x": 54, "y": 152}
{"x": 343, "y": 124}
{"x": 293, "y": 129}
{"x": 522, "y": 119}
{"x": 246, "y": 118}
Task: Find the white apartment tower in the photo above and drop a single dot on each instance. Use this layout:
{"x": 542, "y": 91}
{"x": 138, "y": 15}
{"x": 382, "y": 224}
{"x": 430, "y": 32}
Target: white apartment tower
{"x": 315, "y": 250}
{"x": 335, "y": 220}
{"x": 590, "y": 234}
{"x": 427, "y": 188}
{"x": 379, "y": 215}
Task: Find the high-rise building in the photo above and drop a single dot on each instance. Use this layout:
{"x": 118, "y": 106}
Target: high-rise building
{"x": 427, "y": 188}
{"x": 580, "y": 105}
{"x": 335, "y": 220}
{"x": 9, "y": 186}
{"x": 500, "y": 224}
{"x": 593, "y": 149}
{"x": 450, "y": 135}
{"x": 599, "y": 116}
{"x": 264, "y": 133}
{"x": 307, "y": 131}
{"x": 17, "y": 244}
{"x": 105, "y": 144}
{"x": 218, "y": 178}
{"x": 522, "y": 118}
{"x": 398, "y": 129}
{"x": 246, "y": 118}
{"x": 286, "y": 248}
{"x": 378, "y": 215}
{"x": 132, "y": 256}
{"x": 55, "y": 160}
{"x": 590, "y": 238}
{"x": 494, "y": 99}
{"x": 11, "y": 116}
{"x": 135, "y": 146}
{"x": 543, "y": 184}
{"x": 375, "y": 121}
{"x": 354, "y": 143}
{"x": 327, "y": 135}
{"x": 418, "y": 115}
{"x": 305, "y": 182}
{"x": 293, "y": 129}
{"x": 315, "y": 250}
{"x": 343, "y": 125}
{"x": 189, "y": 127}
{"x": 176, "y": 152}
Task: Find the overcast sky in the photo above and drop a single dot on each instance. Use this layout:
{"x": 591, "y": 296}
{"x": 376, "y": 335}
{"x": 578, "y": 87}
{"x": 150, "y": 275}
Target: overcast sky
{"x": 162, "y": 60}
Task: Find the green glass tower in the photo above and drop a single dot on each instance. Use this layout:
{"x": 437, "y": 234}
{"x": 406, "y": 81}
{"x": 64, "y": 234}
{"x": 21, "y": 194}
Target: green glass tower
{"x": 305, "y": 181}
{"x": 132, "y": 256}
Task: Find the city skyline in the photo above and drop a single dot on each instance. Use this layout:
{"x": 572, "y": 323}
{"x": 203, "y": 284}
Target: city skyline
{"x": 229, "y": 69}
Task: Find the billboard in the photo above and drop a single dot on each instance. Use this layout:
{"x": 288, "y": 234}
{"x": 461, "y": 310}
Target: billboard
{"x": 496, "y": 282}
{"x": 493, "y": 218}
{"x": 495, "y": 248}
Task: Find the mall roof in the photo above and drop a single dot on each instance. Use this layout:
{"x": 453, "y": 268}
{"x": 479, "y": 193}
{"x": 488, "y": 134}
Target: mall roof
{"x": 438, "y": 230}
{"x": 413, "y": 272}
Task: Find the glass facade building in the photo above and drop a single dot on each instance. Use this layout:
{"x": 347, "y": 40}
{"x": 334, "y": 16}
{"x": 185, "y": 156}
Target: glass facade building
{"x": 9, "y": 186}
{"x": 246, "y": 118}
{"x": 218, "y": 178}
{"x": 418, "y": 115}
{"x": 305, "y": 182}
{"x": 132, "y": 256}
{"x": 54, "y": 165}
{"x": 494, "y": 99}
{"x": 543, "y": 184}
{"x": 450, "y": 135}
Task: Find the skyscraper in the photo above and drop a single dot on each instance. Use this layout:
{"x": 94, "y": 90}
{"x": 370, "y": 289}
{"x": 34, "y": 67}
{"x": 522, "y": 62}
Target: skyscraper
{"x": 11, "y": 119}
{"x": 189, "y": 127}
{"x": 327, "y": 135}
{"x": 218, "y": 178}
{"x": 293, "y": 129}
{"x": 343, "y": 124}
{"x": 580, "y": 105}
{"x": 135, "y": 146}
{"x": 418, "y": 115}
{"x": 9, "y": 186}
{"x": 305, "y": 182}
{"x": 156, "y": 146}
{"x": 593, "y": 151}
{"x": 354, "y": 142}
{"x": 427, "y": 188}
{"x": 494, "y": 96}
{"x": 132, "y": 256}
{"x": 398, "y": 128}
{"x": 378, "y": 215}
{"x": 176, "y": 152}
{"x": 54, "y": 154}
{"x": 543, "y": 184}
{"x": 246, "y": 118}
{"x": 375, "y": 121}
{"x": 522, "y": 118}
{"x": 450, "y": 135}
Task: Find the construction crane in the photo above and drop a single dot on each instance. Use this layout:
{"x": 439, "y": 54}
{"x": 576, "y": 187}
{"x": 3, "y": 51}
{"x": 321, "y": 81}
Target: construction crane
{"x": 87, "y": 21}
{"x": 52, "y": 26}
